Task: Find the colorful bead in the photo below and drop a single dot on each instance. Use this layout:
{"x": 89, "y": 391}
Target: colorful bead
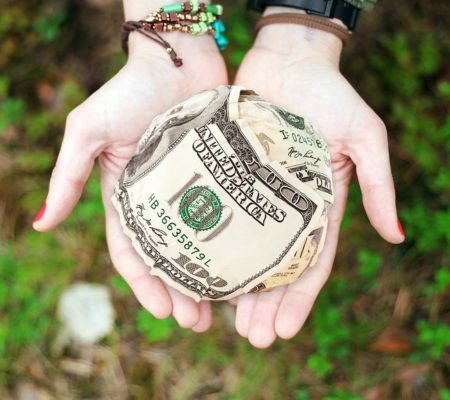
{"x": 203, "y": 28}
{"x": 218, "y": 26}
{"x": 221, "y": 42}
{"x": 214, "y": 8}
{"x": 187, "y": 6}
{"x": 195, "y": 29}
{"x": 159, "y": 26}
{"x": 202, "y": 17}
{"x": 194, "y": 4}
{"x": 173, "y": 7}
{"x": 173, "y": 17}
{"x": 202, "y": 7}
{"x": 210, "y": 18}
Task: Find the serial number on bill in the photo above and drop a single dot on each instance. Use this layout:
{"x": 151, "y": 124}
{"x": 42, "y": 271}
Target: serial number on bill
{"x": 176, "y": 232}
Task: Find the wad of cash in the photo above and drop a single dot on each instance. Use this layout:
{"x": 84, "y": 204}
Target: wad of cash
{"x": 226, "y": 194}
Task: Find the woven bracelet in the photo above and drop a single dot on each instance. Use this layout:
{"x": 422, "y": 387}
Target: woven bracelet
{"x": 189, "y": 17}
{"x": 311, "y": 21}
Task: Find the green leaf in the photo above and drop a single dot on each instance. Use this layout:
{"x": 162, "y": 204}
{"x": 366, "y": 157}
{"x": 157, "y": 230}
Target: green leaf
{"x": 11, "y": 112}
{"x": 49, "y": 26}
{"x": 120, "y": 285}
{"x": 369, "y": 264}
{"x": 155, "y": 329}
{"x": 442, "y": 278}
{"x": 319, "y": 364}
{"x": 444, "y": 89}
{"x": 434, "y": 338}
{"x": 429, "y": 57}
{"x": 444, "y": 394}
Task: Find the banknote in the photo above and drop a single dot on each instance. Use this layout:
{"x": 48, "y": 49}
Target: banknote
{"x": 218, "y": 228}
{"x": 210, "y": 106}
{"x": 222, "y": 198}
{"x": 304, "y": 155}
{"x": 289, "y": 138}
{"x": 305, "y": 257}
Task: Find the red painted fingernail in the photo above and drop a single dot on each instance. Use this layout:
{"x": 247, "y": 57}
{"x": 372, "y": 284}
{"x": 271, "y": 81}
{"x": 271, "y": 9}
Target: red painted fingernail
{"x": 40, "y": 214}
{"x": 400, "y": 228}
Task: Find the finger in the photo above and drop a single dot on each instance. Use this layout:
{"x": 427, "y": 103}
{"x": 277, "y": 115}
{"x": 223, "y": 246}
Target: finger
{"x": 300, "y": 295}
{"x": 185, "y": 310}
{"x": 233, "y": 301}
{"x": 244, "y": 309}
{"x": 262, "y": 333}
{"x": 205, "y": 319}
{"x": 371, "y": 157}
{"x": 149, "y": 290}
{"x": 71, "y": 171}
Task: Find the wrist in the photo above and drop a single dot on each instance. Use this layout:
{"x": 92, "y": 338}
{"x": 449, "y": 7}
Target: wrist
{"x": 184, "y": 44}
{"x": 139, "y": 45}
{"x": 299, "y": 41}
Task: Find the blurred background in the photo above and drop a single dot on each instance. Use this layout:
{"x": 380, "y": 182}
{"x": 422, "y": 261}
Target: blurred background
{"x": 380, "y": 328}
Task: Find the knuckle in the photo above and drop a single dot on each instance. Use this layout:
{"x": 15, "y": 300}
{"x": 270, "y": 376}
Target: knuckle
{"x": 379, "y": 127}
{"x": 74, "y": 118}
{"x": 75, "y": 122}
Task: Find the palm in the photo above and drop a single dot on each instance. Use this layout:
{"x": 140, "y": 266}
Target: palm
{"x": 316, "y": 90}
{"x": 109, "y": 124}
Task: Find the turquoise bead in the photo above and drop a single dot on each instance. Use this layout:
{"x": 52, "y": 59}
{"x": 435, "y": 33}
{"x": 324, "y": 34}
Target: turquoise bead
{"x": 173, "y": 7}
{"x": 222, "y": 42}
{"x": 218, "y": 26}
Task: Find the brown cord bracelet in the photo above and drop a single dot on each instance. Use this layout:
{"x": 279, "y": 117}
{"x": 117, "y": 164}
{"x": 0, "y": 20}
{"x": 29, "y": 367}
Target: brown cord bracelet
{"x": 142, "y": 27}
{"x": 311, "y": 21}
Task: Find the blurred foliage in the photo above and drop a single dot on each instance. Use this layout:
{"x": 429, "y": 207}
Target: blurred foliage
{"x": 380, "y": 328}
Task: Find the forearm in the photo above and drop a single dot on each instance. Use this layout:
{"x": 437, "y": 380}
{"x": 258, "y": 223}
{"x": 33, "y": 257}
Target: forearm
{"x": 299, "y": 40}
{"x": 138, "y": 44}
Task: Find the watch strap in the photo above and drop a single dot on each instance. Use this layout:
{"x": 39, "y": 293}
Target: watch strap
{"x": 312, "y": 21}
{"x": 339, "y": 9}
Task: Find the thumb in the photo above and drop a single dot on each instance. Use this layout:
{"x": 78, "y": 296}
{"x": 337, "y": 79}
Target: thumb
{"x": 371, "y": 157}
{"x": 70, "y": 173}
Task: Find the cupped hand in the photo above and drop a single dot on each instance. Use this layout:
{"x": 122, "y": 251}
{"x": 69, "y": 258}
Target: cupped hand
{"x": 108, "y": 125}
{"x": 297, "y": 68}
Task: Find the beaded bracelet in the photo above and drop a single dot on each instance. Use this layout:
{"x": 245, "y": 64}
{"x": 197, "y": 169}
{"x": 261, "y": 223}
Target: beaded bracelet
{"x": 189, "y": 17}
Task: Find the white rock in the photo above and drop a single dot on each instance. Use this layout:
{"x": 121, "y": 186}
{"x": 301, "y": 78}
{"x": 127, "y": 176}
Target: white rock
{"x": 86, "y": 312}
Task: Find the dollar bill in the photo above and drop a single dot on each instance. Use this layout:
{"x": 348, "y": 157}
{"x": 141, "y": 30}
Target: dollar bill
{"x": 304, "y": 155}
{"x": 305, "y": 257}
{"x": 216, "y": 203}
{"x": 224, "y": 224}
{"x": 210, "y": 106}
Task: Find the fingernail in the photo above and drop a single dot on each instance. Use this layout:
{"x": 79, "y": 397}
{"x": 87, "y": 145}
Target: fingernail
{"x": 400, "y": 228}
{"x": 40, "y": 214}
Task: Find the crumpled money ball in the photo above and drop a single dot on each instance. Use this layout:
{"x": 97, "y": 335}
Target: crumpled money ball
{"x": 226, "y": 194}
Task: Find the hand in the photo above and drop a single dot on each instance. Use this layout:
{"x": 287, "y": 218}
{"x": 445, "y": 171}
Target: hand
{"x": 297, "y": 68}
{"x": 108, "y": 125}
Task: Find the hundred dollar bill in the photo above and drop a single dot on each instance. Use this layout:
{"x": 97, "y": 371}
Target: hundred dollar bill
{"x": 305, "y": 257}
{"x": 216, "y": 202}
{"x": 206, "y": 107}
{"x": 229, "y": 221}
{"x": 289, "y": 134}
{"x": 290, "y": 138}
{"x": 304, "y": 155}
